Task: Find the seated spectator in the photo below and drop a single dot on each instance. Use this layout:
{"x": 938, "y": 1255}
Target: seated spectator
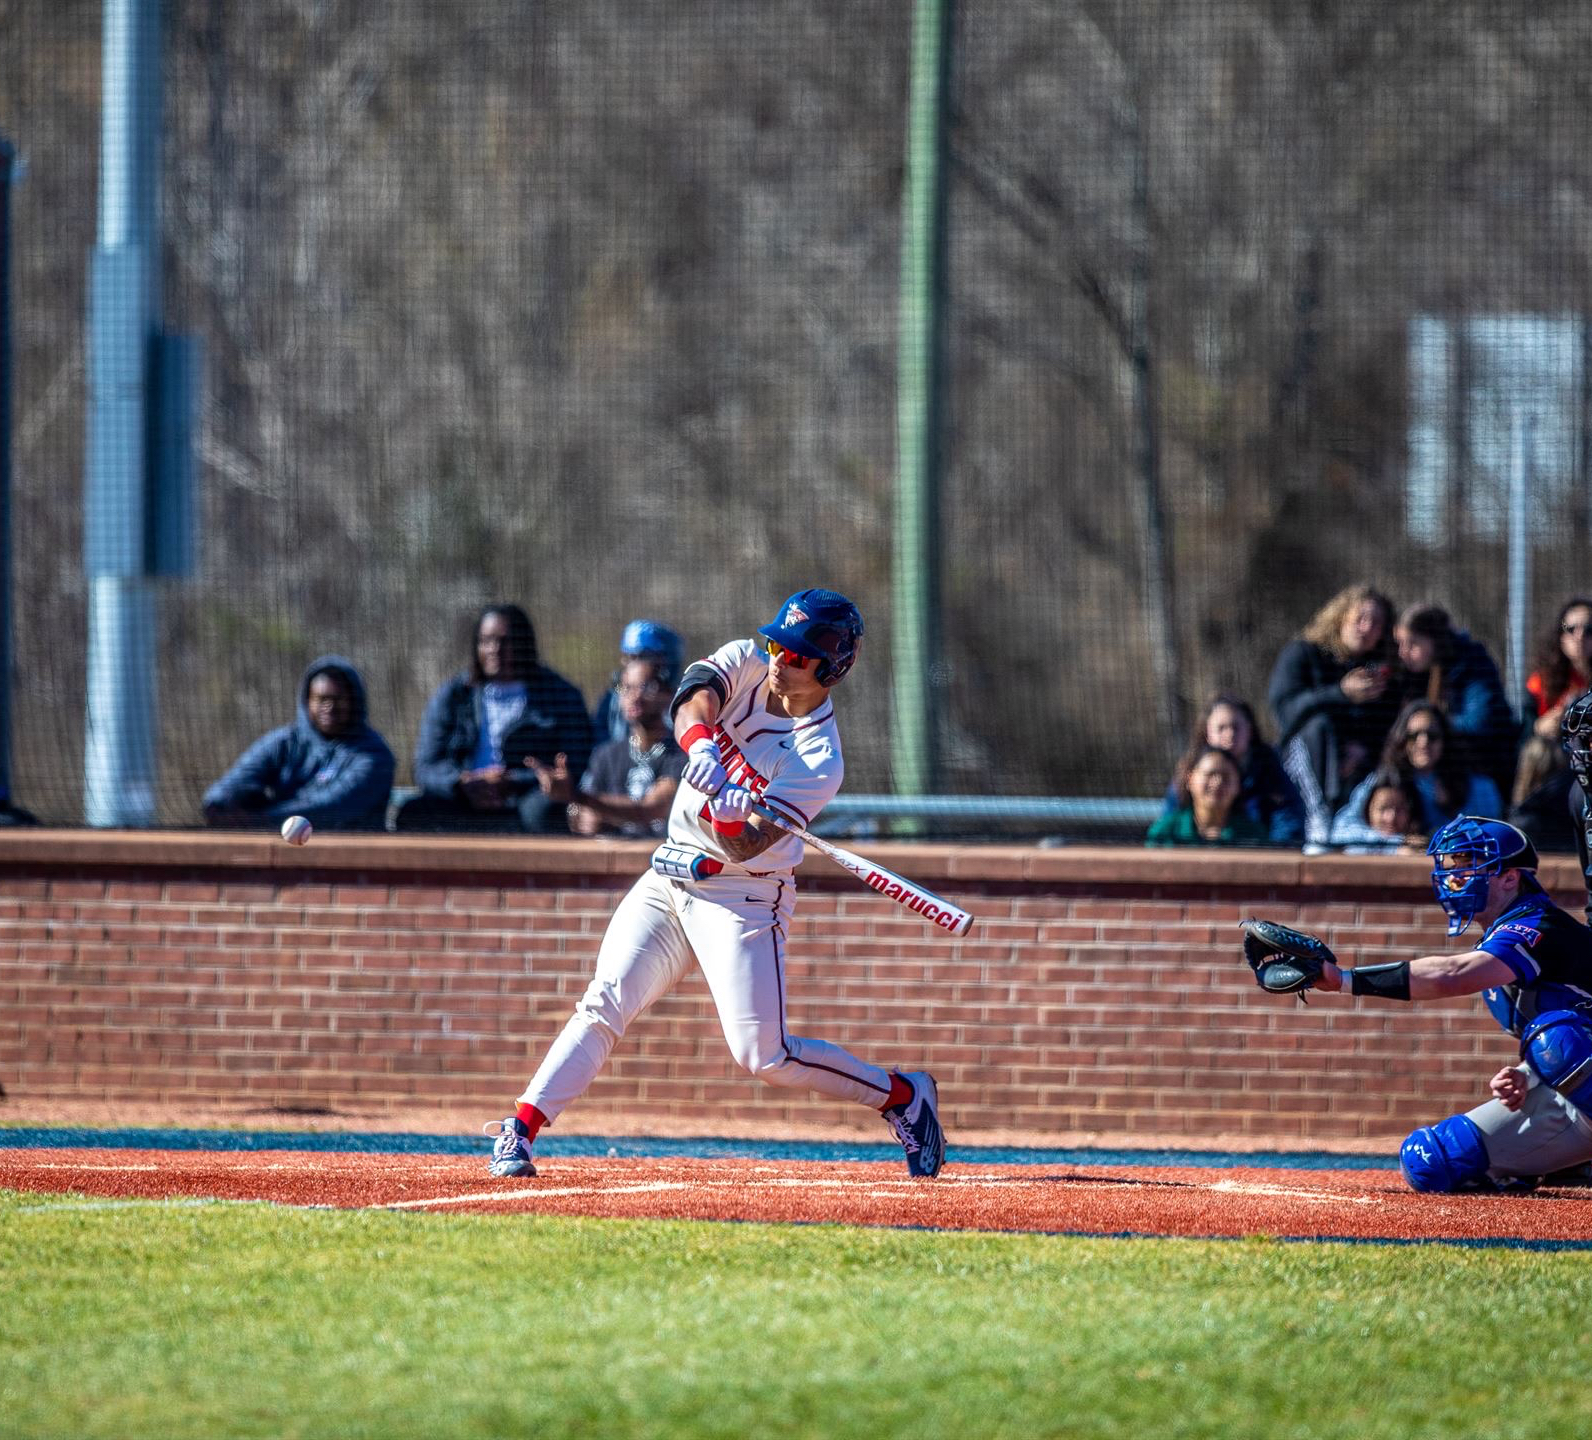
{"x": 641, "y": 640}
{"x": 1333, "y": 694}
{"x": 1450, "y": 669}
{"x": 630, "y": 784}
{"x": 1547, "y": 800}
{"x": 1384, "y": 824}
{"x": 1265, "y": 793}
{"x": 500, "y": 741}
{"x": 1420, "y": 747}
{"x": 1563, "y": 666}
{"x": 328, "y": 766}
{"x": 1563, "y": 670}
{"x": 1207, "y": 810}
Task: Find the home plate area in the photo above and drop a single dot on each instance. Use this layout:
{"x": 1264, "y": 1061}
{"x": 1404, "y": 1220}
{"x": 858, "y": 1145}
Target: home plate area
{"x": 1078, "y": 1199}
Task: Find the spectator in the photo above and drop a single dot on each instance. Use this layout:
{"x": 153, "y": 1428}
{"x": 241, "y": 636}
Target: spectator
{"x": 1542, "y": 779}
{"x": 1207, "y": 807}
{"x": 630, "y": 784}
{"x": 641, "y": 640}
{"x": 1265, "y": 793}
{"x": 1447, "y": 667}
{"x": 1421, "y": 748}
{"x": 1333, "y": 694}
{"x": 1384, "y": 824}
{"x": 1547, "y": 797}
{"x": 500, "y": 741}
{"x": 1563, "y": 667}
{"x": 329, "y": 765}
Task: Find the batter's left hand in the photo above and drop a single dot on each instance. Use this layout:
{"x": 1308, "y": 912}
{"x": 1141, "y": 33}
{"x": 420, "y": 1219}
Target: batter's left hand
{"x": 732, "y": 805}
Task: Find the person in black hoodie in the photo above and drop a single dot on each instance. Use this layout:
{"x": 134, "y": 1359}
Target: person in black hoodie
{"x": 503, "y": 743}
{"x": 1451, "y": 670}
{"x": 329, "y": 765}
{"x": 1335, "y": 698}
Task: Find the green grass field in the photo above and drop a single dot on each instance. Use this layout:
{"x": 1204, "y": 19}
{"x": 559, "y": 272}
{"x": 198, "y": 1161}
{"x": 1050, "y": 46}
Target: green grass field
{"x": 128, "y": 1319}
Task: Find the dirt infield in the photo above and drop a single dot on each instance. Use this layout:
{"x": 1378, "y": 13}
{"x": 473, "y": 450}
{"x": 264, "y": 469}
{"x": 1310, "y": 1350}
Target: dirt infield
{"x": 1103, "y": 1200}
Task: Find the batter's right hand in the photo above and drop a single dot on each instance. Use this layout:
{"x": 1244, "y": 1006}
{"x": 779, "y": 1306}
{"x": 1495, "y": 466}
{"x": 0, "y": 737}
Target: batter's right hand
{"x": 702, "y": 769}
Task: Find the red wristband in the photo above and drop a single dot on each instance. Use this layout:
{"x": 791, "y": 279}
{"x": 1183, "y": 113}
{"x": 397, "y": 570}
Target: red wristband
{"x": 729, "y": 828}
{"x": 695, "y": 733}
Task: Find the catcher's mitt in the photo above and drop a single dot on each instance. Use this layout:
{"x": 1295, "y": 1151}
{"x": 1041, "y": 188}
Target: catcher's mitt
{"x": 1285, "y": 961}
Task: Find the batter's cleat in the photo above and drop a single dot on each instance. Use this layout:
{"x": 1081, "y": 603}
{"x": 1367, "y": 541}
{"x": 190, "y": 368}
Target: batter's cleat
{"x": 917, "y": 1125}
{"x": 511, "y": 1155}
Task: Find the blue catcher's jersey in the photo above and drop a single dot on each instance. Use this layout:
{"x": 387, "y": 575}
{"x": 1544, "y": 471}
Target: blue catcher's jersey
{"x": 1551, "y": 955}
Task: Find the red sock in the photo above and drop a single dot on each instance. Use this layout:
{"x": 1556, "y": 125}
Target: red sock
{"x": 900, "y": 1092}
{"x": 530, "y": 1117}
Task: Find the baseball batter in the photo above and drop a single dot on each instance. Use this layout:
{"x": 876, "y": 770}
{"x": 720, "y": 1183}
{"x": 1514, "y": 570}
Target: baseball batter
{"x": 756, "y": 721}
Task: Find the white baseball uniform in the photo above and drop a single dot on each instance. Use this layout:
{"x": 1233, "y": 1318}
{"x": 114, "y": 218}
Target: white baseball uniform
{"x": 733, "y": 923}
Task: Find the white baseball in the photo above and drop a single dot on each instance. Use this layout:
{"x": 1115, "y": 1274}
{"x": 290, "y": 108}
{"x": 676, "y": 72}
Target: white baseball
{"x": 296, "y": 830}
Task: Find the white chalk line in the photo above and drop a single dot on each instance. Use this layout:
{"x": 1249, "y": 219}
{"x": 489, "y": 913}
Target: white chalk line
{"x": 1312, "y": 1197}
{"x": 511, "y": 1196}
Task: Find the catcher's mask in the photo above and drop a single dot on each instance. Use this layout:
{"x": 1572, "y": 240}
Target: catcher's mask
{"x": 1466, "y": 854}
{"x": 1575, "y": 734}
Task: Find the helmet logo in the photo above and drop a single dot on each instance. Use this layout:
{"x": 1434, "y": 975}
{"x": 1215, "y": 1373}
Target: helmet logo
{"x": 795, "y": 615}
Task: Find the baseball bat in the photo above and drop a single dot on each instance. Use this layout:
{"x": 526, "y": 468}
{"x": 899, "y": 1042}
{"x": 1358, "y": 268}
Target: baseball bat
{"x": 922, "y": 902}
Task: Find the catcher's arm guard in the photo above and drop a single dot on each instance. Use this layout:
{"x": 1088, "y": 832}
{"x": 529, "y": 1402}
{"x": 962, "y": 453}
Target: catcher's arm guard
{"x": 1285, "y": 961}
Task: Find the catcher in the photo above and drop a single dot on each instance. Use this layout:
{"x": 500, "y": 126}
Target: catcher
{"x": 1532, "y": 967}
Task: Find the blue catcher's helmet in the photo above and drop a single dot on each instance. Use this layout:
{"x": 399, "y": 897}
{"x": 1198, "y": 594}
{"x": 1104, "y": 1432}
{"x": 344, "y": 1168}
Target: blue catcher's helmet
{"x": 822, "y": 625}
{"x": 1474, "y": 850}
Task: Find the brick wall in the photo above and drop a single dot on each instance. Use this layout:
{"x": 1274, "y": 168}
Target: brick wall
{"x": 1100, "y": 991}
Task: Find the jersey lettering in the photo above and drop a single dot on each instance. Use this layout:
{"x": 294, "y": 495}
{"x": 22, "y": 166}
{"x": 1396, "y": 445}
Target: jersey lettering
{"x": 736, "y": 765}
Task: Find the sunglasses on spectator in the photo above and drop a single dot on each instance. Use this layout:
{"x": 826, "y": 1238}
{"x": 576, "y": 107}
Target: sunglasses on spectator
{"x": 1410, "y": 736}
{"x": 1575, "y": 629}
{"x": 790, "y": 657}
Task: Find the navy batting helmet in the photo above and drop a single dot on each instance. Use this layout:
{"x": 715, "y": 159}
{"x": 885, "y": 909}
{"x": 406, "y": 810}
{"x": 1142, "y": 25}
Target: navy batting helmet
{"x": 822, "y": 625}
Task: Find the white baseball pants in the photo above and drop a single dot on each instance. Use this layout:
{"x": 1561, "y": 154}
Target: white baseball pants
{"x": 734, "y": 926}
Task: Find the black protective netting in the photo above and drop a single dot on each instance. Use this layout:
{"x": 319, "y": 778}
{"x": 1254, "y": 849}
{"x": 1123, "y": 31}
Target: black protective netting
{"x": 592, "y": 306}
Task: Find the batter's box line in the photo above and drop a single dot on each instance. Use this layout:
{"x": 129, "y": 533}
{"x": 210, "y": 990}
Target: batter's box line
{"x": 540, "y": 1192}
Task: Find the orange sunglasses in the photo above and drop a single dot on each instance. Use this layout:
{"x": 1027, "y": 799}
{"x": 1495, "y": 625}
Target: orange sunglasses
{"x": 790, "y": 657}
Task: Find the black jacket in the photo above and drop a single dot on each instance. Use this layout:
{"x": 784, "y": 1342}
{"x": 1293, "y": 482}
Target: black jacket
{"x": 554, "y": 722}
{"x": 1305, "y": 685}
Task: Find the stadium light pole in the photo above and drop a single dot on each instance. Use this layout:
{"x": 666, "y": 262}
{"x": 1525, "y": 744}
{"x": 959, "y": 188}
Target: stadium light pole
{"x": 124, "y": 312}
{"x": 916, "y": 577}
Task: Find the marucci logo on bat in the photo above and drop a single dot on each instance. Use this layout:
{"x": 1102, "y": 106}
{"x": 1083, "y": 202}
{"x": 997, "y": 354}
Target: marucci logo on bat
{"x": 918, "y": 904}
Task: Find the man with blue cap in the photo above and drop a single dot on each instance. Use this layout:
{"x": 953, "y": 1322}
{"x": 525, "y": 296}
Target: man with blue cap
{"x": 641, "y": 640}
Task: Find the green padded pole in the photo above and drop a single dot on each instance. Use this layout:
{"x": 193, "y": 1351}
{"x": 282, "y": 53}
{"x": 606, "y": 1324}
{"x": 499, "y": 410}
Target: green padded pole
{"x": 915, "y": 581}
